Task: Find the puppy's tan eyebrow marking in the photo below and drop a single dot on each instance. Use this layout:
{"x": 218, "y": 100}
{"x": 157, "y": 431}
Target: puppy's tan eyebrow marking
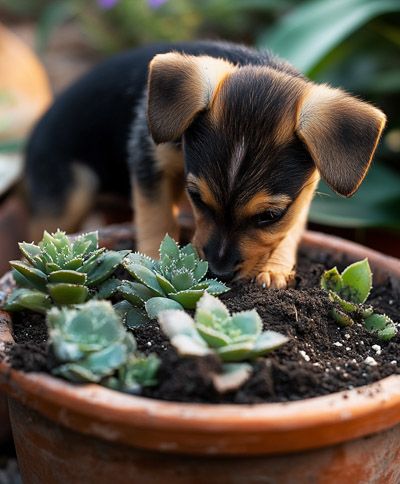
{"x": 263, "y": 201}
{"x": 201, "y": 186}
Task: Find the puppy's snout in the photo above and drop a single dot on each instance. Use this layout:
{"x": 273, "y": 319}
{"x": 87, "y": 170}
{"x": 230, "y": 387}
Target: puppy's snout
{"x": 223, "y": 261}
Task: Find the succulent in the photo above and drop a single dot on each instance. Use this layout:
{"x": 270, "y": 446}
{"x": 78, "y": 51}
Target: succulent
{"x": 232, "y": 338}
{"x": 60, "y": 271}
{"x": 176, "y": 281}
{"x": 92, "y": 345}
{"x": 350, "y": 290}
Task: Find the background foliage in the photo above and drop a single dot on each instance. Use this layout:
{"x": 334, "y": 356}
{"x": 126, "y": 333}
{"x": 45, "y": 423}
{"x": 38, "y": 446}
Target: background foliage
{"x": 354, "y": 44}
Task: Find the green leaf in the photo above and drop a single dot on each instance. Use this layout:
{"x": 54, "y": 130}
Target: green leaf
{"x": 157, "y": 304}
{"x": 331, "y": 280}
{"x": 106, "y": 265}
{"x": 213, "y": 305}
{"x": 165, "y": 284}
{"x": 137, "y": 258}
{"x": 236, "y": 351}
{"x": 135, "y": 292}
{"x": 63, "y": 293}
{"x": 86, "y": 243}
{"x": 189, "y": 249}
{"x": 188, "y": 299}
{"x": 248, "y": 322}
{"x": 29, "y": 251}
{"x": 104, "y": 362}
{"x": 215, "y": 287}
{"x": 213, "y": 337}
{"x": 68, "y": 276}
{"x": 201, "y": 270}
{"x": 388, "y": 333}
{"x": 146, "y": 277}
{"x": 135, "y": 318}
{"x": 376, "y": 322}
{"x": 358, "y": 278}
{"x": 76, "y": 373}
{"x": 268, "y": 341}
{"x": 369, "y": 207}
{"x": 36, "y": 277}
{"x": 341, "y": 318}
{"x": 169, "y": 248}
{"x": 108, "y": 288}
{"x": 232, "y": 377}
{"x": 30, "y": 299}
{"x": 314, "y": 28}
{"x": 182, "y": 280}
{"x": 347, "y": 307}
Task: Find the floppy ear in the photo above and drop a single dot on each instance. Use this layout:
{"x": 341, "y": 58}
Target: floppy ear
{"x": 341, "y": 134}
{"x": 179, "y": 87}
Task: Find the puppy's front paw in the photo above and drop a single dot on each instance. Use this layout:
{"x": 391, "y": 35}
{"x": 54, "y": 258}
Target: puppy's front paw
{"x": 276, "y": 279}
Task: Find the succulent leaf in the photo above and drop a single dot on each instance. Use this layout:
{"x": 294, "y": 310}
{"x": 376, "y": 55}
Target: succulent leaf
{"x": 169, "y": 248}
{"x": 187, "y": 298}
{"x": 232, "y": 377}
{"x": 215, "y": 288}
{"x": 232, "y": 338}
{"x": 342, "y": 318}
{"x": 31, "y": 299}
{"x": 155, "y": 305}
{"x": 64, "y": 293}
{"x": 357, "y": 281}
{"x": 37, "y": 278}
{"x": 106, "y": 265}
{"x": 135, "y": 292}
{"x": 382, "y": 325}
{"x": 108, "y": 288}
{"x": 331, "y": 280}
{"x": 68, "y": 276}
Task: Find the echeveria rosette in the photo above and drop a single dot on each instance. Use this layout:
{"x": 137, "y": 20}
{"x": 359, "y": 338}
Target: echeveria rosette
{"x": 235, "y": 338}
{"x": 92, "y": 345}
{"x": 176, "y": 281}
{"x": 60, "y": 270}
{"x": 350, "y": 290}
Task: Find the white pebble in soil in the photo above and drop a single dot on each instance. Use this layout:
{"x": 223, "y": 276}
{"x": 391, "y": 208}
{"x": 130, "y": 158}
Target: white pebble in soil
{"x": 370, "y": 361}
{"x": 304, "y": 355}
{"x": 377, "y": 349}
{"x": 393, "y": 362}
{"x": 337, "y": 343}
{"x": 347, "y": 336}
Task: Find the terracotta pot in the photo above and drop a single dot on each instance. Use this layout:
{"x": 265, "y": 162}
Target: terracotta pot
{"x": 68, "y": 433}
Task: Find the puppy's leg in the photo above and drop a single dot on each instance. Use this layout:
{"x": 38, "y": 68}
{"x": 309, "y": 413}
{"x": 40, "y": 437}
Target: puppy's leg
{"x": 156, "y": 209}
{"x": 278, "y": 271}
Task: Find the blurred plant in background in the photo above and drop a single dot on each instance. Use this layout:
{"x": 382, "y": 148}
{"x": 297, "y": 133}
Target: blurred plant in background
{"x": 353, "y": 44}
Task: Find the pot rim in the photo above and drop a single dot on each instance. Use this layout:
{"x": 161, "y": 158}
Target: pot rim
{"x": 198, "y": 428}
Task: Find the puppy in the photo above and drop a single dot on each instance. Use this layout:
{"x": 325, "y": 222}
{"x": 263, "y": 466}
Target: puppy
{"x": 239, "y": 132}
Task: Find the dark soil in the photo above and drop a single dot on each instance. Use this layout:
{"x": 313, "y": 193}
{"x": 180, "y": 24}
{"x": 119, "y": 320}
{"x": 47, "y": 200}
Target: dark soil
{"x": 320, "y": 357}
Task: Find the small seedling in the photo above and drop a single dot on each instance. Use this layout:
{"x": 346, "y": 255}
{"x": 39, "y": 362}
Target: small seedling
{"x": 233, "y": 338}
{"x": 60, "y": 271}
{"x": 92, "y": 345}
{"x": 176, "y": 281}
{"x": 350, "y": 290}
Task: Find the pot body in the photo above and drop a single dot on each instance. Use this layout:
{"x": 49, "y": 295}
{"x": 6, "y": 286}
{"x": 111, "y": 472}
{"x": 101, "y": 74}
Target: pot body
{"x": 87, "y": 434}
{"x": 51, "y": 454}
{"x": 5, "y": 430}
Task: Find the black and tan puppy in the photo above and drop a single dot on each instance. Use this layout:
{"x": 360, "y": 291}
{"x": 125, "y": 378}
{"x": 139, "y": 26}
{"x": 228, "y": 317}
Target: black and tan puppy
{"x": 243, "y": 134}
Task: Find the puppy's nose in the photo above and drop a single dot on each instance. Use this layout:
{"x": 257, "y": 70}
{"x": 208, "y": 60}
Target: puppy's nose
{"x": 222, "y": 264}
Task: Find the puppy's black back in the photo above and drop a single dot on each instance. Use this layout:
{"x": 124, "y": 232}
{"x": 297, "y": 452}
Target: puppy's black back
{"x": 90, "y": 122}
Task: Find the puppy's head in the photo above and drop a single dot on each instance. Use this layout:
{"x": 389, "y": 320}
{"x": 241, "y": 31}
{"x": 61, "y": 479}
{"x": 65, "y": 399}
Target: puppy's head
{"x": 256, "y": 140}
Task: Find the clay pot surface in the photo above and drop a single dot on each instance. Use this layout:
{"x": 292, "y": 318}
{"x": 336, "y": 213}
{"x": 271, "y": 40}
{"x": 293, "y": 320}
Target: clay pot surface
{"x": 86, "y": 433}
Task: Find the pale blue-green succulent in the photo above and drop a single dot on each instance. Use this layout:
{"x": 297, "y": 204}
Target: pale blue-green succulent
{"x": 233, "y": 338}
{"x": 176, "y": 281}
{"x": 92, "y": 345}
{"x": 60, "y": 271}
{"x": 350, "y": 290}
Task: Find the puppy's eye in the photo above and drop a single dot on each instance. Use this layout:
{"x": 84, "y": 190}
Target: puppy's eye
{"x": 197, "y": 200}
{"x": 268, "y": 217}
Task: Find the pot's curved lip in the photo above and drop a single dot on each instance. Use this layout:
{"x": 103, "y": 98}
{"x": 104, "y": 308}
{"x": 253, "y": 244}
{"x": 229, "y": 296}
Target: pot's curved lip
{"x": 195, "y": 428}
